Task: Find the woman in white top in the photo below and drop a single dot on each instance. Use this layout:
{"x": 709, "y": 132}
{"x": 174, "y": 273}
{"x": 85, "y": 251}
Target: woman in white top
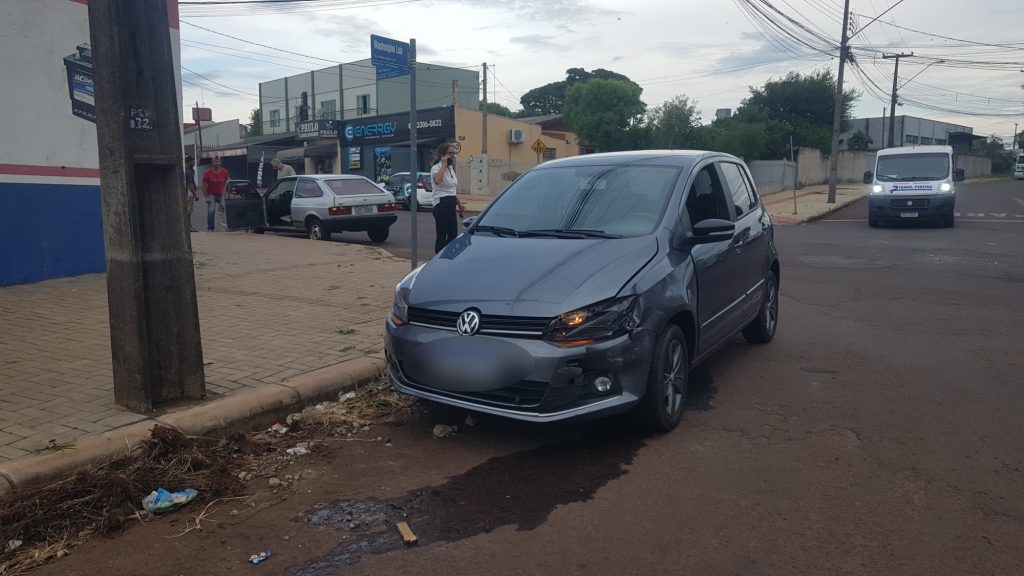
{"x": 446, "y": 200}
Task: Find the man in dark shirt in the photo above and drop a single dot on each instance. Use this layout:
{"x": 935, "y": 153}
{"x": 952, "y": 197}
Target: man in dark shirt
{"x": 190, "y": 192}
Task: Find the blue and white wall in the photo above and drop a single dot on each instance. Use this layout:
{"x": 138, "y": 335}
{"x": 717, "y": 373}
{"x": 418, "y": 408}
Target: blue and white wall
{"x": 49, "y": 170}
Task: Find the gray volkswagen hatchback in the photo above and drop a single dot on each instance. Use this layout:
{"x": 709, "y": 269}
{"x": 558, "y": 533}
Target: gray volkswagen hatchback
{"x": 590, "y": 287}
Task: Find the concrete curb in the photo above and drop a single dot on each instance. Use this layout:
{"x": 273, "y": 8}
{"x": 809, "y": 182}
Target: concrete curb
{"x": 249, "y": 410}
{"x": 839, "y": 206}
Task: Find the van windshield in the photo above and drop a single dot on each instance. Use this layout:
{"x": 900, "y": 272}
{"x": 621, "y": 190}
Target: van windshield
{"x": 614, "y": 201}
{"x": 912, "y": 167}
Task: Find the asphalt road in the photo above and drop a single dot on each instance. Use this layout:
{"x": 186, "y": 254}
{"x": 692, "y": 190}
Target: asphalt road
{"x": 880, "y": 433}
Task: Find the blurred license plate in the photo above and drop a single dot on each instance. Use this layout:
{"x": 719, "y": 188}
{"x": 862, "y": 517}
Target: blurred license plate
{"x": 369, "y": 210}
{"x": 902, "y": 214}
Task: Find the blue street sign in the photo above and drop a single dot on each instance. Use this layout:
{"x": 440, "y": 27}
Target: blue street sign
{"x": 385, "y": 72}
{"x": 389, "y": 53}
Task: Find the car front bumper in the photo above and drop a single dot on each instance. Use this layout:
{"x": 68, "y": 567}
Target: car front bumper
{"x": 893, "y": 207}
{"x": 556, "y": 384}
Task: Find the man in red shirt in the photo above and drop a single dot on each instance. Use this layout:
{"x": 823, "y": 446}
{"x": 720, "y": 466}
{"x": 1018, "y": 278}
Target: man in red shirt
{"x": 214, "y": 181}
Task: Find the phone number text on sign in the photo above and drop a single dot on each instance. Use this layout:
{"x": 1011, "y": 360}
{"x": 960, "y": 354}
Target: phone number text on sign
{"x": 429, "y": 123}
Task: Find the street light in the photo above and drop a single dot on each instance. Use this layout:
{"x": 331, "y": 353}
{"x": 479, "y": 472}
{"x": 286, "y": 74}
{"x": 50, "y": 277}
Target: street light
{"x": 921, "y": 72}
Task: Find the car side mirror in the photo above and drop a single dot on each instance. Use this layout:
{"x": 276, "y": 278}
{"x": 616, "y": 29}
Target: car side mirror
{"x": 869, "y": 177}
{"x": 469, "y": 222}
{"x": 959, "y": 175}
{"x": 713, "y": 230}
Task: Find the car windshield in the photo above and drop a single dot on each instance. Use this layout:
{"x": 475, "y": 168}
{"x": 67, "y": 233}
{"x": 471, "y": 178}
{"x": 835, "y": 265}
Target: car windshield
{"x": 590, "y": 200}
{"x": 352, "y": 186}
{"x": 912, "y": 167}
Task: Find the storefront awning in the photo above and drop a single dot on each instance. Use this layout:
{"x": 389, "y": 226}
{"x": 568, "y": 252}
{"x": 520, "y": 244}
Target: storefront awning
{"x": 322, "y": 151}
{"x": 292, "y": 154}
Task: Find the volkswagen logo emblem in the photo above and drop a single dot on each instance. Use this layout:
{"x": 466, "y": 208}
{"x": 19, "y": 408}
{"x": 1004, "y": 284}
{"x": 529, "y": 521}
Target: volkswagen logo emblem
{"x": 469, "y": 323}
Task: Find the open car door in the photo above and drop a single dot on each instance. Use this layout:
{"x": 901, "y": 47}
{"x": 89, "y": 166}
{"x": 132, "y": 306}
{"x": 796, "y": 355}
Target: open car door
{"x": 243, "y": 205}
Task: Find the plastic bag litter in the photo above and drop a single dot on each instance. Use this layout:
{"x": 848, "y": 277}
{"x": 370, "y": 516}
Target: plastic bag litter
{"x": 161, "y": 500}
{"x": 257, "y": 558}
{"x": 301, "y": 449}
{"x": 279, "y": 428}
{"x": 346, "y": 396}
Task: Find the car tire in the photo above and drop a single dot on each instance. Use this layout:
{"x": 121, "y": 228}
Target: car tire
{"x": 257, "y": 230}
{"x": 762, "y": 329}
{"x": 316, "y": 231}
{"x": 661, "y": 407}
{"x": 378, "y": 234}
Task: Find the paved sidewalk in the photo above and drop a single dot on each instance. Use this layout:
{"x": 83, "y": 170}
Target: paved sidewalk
{"x": 811, "y": 202}
{"x": 270, "y": 308}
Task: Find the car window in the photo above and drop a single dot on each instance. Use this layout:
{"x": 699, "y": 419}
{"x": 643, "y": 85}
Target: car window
{"x": 242, "y": 190}
{"x": 308, "y": 188}
{"x": 619, "y": 200}
{"x": 742, "y": 198}
{"x": 283, "y": 189}
{"x": 706, "y": 199}
{"x": 352, "y": 186}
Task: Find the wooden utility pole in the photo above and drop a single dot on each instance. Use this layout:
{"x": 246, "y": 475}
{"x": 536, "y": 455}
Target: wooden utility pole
{"x": 154, "y": 320}
{"x": 837, "y": 117}
{"x": 892, "y": 101}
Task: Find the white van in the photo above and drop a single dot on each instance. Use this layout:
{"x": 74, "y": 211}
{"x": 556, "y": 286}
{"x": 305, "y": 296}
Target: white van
{"x": 913, "y": 183}
{"x": 1018, "y": 168}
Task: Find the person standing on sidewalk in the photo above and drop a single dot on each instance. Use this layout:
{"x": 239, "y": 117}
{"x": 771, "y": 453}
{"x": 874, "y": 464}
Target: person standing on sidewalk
{"x": 445, "y": 201}
{"x": 190, "y": 191}
{"x": 283, "y": 170}
{"x": 214, "y": 181}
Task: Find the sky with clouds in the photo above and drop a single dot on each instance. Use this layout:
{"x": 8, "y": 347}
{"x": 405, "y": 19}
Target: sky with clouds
{"x": 709, "y": 50}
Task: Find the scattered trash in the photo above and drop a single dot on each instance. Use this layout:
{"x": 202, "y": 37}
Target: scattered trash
{"x": 286, "y": 538}
{"x": 62, "y": 553}
{"x": 320, "y": 407}
{"x": 161, "y": 500}
{"x": 301, "y": 449}
{"x": 245, "y": 476}
{"x": 279, "y": 428}
{"x": 234, "y": 512}
{"x": 12, "y": 545}
{"x": 408, "y": 536}
{"x": 346, "y": 396}
{"x": 275, "y": 483}
{"x": 470, "y": 420}
{"x": 442, "y": 430}
{"x": 258, "y": 558}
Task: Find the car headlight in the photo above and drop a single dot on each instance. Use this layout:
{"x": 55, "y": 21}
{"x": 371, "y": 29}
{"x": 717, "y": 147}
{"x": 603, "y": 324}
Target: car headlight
{"x": 400, "y": 305}
{"x": 876, "y": 189}
{"x": 945, "y": 187}
{"x": 601, "y": 321}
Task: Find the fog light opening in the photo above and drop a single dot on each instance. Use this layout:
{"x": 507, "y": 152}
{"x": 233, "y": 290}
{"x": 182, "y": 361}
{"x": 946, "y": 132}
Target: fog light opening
{"x": 603, "y": 384}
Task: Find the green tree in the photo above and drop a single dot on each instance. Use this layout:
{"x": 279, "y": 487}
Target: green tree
{"x": 256, "y": 120}
{"x": 995, "y": 148}
{"x": 607, "y": 114}
{"x": 804, "y": 101}
{"x": 751, "y": 140}
{"x": 859, "y": 141}
{"x": 675, "y": 124}
{"x": 500, "y": 110}
{"x": 550, "y": 98}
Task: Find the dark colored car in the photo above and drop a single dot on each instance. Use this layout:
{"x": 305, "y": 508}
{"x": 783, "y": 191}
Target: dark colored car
{"x": 591, "y": 286}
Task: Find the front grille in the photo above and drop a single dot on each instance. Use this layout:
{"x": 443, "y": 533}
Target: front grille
{"x": 904, "y": 203}
{"x": 514, "y": 326}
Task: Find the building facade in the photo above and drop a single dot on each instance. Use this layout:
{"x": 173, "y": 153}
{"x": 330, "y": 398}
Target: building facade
{"x": 351, "y": 91}
{"x": 910, "y": 131}
{"x": 49, "y": 164}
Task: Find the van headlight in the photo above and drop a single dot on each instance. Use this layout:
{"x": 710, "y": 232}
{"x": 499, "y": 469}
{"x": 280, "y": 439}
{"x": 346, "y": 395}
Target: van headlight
{"x": 601, "y": 321}
{"x": 945, "y": 187}
{"x": 876, "y": 189}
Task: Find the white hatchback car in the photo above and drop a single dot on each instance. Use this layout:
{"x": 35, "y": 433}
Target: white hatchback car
{"x": 319, "y": 205}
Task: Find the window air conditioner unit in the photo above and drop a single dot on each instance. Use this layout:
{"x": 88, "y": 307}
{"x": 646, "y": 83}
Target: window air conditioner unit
{"x": 516, "y": 136}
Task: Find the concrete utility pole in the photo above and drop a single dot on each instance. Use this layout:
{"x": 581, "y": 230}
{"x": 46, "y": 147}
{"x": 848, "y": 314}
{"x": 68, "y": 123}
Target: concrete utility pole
{"x": 414, "y": 155}
{"x": 892, "y": 102}
{"x": 483, "y": 145}
{"x": 154, "y": 319}
{"x": 837, "y": 117}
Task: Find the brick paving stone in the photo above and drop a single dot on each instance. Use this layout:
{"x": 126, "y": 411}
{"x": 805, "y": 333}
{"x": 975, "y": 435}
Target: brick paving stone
{"x": 55, "y": 370}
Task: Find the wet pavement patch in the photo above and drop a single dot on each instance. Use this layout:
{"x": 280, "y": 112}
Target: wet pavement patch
{"x": 519, "y": 489}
